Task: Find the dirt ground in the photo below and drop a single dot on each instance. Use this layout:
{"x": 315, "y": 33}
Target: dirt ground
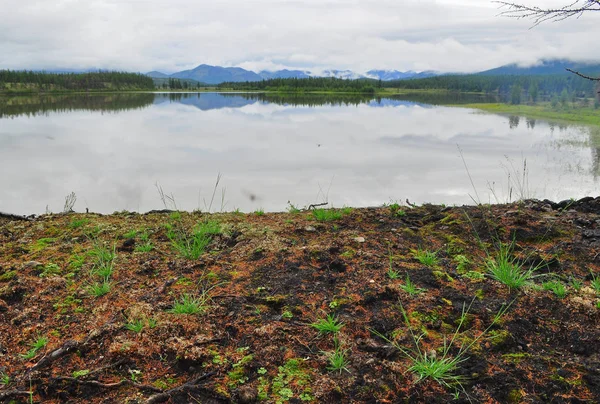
{"x": 118, "y": 308}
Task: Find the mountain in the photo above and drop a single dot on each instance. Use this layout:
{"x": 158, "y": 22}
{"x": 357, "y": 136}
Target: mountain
{"x": 387, "y": 75}
{"x": 217, "y": 74}
{"x": 284, "y": 74}
{"x": 549, "y": 66}
{"x": 341, "y": 74}
{"x": 157, "y": 75}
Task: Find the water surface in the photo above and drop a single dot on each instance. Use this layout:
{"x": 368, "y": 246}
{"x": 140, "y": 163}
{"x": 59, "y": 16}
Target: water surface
{"x": 112, "y": 151}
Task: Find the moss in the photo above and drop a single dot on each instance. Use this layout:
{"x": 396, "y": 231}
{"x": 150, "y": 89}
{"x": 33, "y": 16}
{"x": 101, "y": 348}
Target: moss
{"x": 443, "y": 276}
{"x": 515, "y": 358}
{"x": 7, "y": 276}
{"x": 238, "y": 375}
{"x": 514, "y": 396}
{"x": 499, "y": 338}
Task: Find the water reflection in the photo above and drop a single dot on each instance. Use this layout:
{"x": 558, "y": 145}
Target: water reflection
{"x": 271, "y": 149}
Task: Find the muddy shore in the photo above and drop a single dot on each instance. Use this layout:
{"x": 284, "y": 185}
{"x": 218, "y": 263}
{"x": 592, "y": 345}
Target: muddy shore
{"x": 217, "y": 308}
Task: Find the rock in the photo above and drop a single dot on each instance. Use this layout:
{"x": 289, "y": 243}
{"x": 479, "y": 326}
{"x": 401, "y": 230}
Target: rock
{"x": 310, "y": 228}
{"x": 31, "y": 264}
{"x": 359, "y": 239}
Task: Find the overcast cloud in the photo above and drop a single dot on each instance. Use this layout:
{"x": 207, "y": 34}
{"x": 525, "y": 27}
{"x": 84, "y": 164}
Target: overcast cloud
{"x": 144, "y": 35}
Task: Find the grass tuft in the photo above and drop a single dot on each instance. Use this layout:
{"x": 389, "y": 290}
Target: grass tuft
{"x": 507, "y": 269}
{"x": 425, "y": 257}
{"x": 328, "y": 325}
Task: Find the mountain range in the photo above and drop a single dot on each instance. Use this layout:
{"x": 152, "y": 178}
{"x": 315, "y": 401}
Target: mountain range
{"x": 217, "y": 74}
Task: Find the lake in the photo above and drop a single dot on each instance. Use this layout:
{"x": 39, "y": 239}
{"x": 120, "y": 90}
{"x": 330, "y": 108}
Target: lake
{"x": 116, "y": 151}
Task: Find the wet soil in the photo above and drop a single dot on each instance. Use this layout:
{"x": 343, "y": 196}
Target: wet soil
{"x": 264, "y": 279}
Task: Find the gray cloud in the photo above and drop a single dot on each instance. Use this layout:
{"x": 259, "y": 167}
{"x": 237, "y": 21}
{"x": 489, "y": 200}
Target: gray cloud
{"x": 143, "y": 35}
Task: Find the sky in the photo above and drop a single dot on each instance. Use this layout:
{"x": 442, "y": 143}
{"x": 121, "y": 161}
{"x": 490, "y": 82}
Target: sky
{"x": 169, "y": 36}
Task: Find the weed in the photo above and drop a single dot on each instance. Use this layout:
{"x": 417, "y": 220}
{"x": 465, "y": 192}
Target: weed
{"x": 425, "y": 257}
{"x": 38, "y": 344}
{"x": 292, "y": 208}
{"x": 507, "y": 269}
{"x": 191, "y": 304}
{"x": 130, "y": 234}
{"x": 338, "y": 359}
{"x": 576, "y": 284}
{"x": 440, "y": 368}
{"x": 49, "y": 270}
{"x": 410, "y": 288}
{"x": 99, "y": 289}
{"x": 42, "y": 243}
{"x": 328, "y": 325}
{"x": 192, "y": 246}
{"x": 392, "y": 273}
{"x": 557, "y": 287}
{"x": 292, "y": 376}
{"x": 103, "y": 260}
{"x": 595, "y": 283}
{"x": 4, "y": 379}
{"x": 77, "y": 223}
{"x": 259, "y": 212}
{"x": 287, "y": 315}
{"x": 136, "y": 326}
{"x": 327, "y": 215}
{"x": 462, "y": 264}
{"x": 76, "y": 261}
{"x": 146, "y": 247}
{"x": 396, "y": 210}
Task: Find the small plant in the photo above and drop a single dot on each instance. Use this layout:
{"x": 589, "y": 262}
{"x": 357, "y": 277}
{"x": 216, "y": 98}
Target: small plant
{"x": 292, "y": 208}
{"x": 49, "y": 270}
{"x": 410, "y": 288}
{"x": 190, "y": 304}
{"x": 441, "y": 368}
{"x": 576, "y": 284}
{"x": 328, "y": 325}
{"x": 192, "y": 246}
{"x": 425, "y": 257}
{"x": 507, "y": 269}
{"x": 326, "y": 215}
{"x": 595, "y": 283}
{"x": 338, "y": 358}
{"x": 259, "y": 212}
{"x": 135, "y": 375}
{"x": 136, "y": 326}
{"x": 99, "y": 289}
{"x": 391, "y": 272}
{"x": 287, "y": 315}
{"x": 4, "y": 379}
{"x": 38, "y": 344}
{"x": 130, "y": 234}
{"x": 557, "y": 287}
{"x": 144, "y": 248}
{"x": 462, "y": 264}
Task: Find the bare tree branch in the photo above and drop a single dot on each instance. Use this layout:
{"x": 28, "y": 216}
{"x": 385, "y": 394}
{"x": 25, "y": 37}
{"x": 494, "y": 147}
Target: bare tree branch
{"x": 540, "y": 15}
{"x": 583, "y": 75}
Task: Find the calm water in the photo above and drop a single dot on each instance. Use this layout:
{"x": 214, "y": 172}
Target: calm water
{"x": 112, "y": 151}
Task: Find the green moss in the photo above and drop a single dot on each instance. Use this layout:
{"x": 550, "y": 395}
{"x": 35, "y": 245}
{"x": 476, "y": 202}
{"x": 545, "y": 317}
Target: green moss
{"x": 441, "y": 275}
{"x": 238, "y": 375}
{"x": 7, "y": 276}
{"x": 514, "y": 396}
{"x": 515, "y": 358}
{"x": 498, "y": 337}
{"x": 42, "y": 243}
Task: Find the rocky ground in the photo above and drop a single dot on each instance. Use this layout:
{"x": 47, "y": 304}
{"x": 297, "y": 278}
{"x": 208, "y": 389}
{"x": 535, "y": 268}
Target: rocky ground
{"x": 190, "y": 307}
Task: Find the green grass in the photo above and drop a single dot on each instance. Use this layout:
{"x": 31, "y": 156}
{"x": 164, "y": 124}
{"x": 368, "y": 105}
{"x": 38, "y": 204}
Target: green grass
{"x": 190, "y": 304}
{"x": 410, "y": 288}
{"x": 77, "y": 223}
{"x": 99, "y": 289}
{"x": 38, "y": 344}
{"x": 327, "y": 215}
{"x": 49, "y": 270}
{"x": 328, "y": 325}
{"x": 595, "y": 283}
{"x": 192, "y": 246}
{"x": 338, "y": 358}
{"x": 396, "y": 210}
{"x": 443, "y": 367}
{"x": 425, "y": 257}
{"x": 507, "y": 269}
{"x": 259, "y": 212}
{"x": 146, "y": 247}
{"x": 580, "y": 115}
{"x": 131, "y": 234}
{"x": 136, "y": 326}
{"x": 4, "y": 379}
{"x": 557, "y": 287}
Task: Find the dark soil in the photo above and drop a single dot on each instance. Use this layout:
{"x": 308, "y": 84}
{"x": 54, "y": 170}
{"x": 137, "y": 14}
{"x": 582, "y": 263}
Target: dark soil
{"x": 266, "y": 279}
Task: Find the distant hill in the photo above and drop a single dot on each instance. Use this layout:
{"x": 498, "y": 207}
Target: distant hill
{"x": 157, "y": 75}
{"x": 387, "y": 75}
{"x": 284, "y": 74}
{"x": 217, "y": 74}
{"x": 551, "y": 66}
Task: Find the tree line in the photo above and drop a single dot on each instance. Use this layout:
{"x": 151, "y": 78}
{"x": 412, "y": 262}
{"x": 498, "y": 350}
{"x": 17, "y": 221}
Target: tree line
{"x": 364, "y": 86}
{"x": 22, "y": 80}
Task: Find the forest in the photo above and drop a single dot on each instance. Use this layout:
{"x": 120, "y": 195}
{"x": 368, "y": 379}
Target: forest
{"x": 364, "y": 86}
{"x": 32, "y": 81}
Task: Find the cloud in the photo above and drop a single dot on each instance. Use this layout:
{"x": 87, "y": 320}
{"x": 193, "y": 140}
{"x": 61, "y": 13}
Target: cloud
{"x": 144, "y": 35}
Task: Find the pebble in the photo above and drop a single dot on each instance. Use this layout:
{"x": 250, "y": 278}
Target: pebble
{"x": 32, "y": 264}
{"x": 359, "y": 239}
{"x": 310, "y": 228}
